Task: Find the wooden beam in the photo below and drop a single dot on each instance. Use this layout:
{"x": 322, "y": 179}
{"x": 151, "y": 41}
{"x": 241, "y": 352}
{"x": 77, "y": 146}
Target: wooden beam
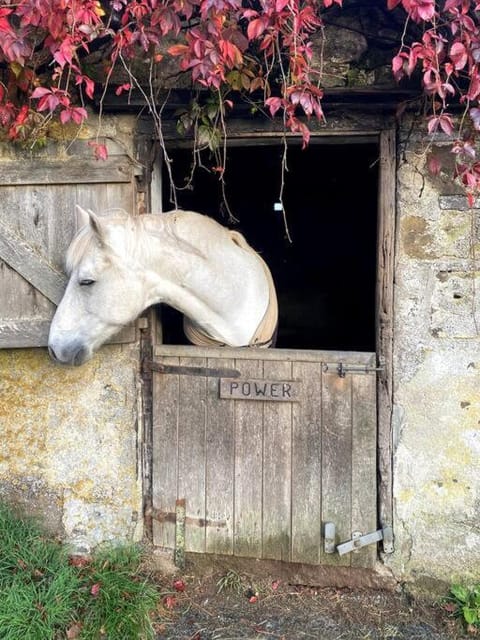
{"x": 36, "y": 270}
{"x": 72, "y": 171}
{"x": 384, "y": 314}
{"x": 19, "y": 334}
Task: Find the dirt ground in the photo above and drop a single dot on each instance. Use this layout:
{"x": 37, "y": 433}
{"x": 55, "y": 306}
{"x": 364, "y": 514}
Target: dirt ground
{"x": 230, "y": 605}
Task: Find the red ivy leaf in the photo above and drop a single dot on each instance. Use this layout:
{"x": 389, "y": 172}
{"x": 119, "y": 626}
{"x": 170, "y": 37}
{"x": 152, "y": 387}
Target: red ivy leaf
{"x": 95, "y": 590}
{"x": 274, "y": 105}
{"x": 100, "y": 150}
{"x": 434, "y": 165}
{"x": 458, "y": 55}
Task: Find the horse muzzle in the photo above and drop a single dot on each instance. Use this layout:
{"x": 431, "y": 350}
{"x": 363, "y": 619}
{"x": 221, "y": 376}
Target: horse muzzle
{"x": 73, "y": 354}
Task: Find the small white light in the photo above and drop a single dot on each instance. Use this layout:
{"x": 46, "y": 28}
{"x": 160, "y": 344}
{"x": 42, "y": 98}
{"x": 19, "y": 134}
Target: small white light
{"x": 277, "y": 206}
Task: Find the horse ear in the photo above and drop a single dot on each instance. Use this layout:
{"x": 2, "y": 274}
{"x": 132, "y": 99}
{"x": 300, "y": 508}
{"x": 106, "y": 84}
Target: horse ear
{"x": 88, "y": 217}
{"x": 83, "y": 219}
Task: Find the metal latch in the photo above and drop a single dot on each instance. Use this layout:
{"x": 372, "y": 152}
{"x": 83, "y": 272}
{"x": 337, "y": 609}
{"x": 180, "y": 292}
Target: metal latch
{"x": 343, "y": 369}
{"x": 358, "y": 540}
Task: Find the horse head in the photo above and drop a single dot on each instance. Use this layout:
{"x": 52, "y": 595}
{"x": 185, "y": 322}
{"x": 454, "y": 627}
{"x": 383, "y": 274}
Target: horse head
{"x": 103, "y": 292}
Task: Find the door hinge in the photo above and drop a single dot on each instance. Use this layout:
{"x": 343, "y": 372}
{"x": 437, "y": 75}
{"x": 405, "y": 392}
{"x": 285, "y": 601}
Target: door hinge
{"x": 358, "y": 540}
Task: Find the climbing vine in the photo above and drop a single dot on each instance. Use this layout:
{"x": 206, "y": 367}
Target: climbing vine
{"x": 448, "y": 57}
{"x": 56, "y": 54}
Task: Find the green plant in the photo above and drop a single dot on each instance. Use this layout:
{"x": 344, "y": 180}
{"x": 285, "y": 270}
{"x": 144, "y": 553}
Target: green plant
{"x": 464, "y": 602}
{"x": 118, "y": 599}
{"x": 38, "y": 587}
{"x": 46, "y": 595}
{"x": 231, "y": 581}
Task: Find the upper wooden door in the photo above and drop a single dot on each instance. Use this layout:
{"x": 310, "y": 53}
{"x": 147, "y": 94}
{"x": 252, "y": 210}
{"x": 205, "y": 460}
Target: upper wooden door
{"x": 37, "y": 223}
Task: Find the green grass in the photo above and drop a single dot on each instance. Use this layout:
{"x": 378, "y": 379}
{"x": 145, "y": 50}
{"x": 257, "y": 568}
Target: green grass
{"x": 121, "y": 606}
{"x": 43, "y": 595}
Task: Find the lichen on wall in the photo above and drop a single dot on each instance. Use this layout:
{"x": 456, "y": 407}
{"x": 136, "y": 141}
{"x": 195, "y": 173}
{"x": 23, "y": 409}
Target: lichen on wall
{"x": 436, "y": 378}
{"x": 68, "y": 451}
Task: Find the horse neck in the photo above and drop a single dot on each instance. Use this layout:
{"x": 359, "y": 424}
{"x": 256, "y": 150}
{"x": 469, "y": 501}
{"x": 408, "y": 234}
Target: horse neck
{"x": 172, "y": 264}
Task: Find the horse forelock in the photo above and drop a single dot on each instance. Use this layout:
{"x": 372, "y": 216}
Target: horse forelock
{"x": 80, "y": 245}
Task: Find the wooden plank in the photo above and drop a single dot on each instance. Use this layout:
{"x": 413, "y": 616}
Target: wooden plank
{"x": 16, "y": 334}
{"x": 192, "y": 452}
{"x": 220, "y": 442}
{"x": 71, "y": 171}
{"x": 364, "y": 465}
{"x": 102, "y": 197}
{"x": 33, "y": 267}
{"x": 331, "y": 358}
{"x": 277, "y": 469}
{"x": 384, "y": 313}
{"x": 248, "y": 468}
{"x": 165, "y": 456}
{"x": 306, "y": 466}
{"x": 337, "y": 459}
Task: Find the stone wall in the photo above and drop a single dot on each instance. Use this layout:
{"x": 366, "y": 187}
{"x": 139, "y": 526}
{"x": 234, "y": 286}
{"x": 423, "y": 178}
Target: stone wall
{"x": 69, "y": 451}
{"x": 436, "y": 375}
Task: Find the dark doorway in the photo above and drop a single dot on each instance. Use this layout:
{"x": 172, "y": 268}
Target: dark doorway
{"x": 325, "y": 276}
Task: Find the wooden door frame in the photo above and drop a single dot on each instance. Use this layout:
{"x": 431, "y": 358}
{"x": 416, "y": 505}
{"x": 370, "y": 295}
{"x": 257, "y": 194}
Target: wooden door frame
{"x": 385, "y": 137}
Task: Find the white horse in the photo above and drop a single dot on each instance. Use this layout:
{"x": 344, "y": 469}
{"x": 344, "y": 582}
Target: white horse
{"x": 118, "y": 265}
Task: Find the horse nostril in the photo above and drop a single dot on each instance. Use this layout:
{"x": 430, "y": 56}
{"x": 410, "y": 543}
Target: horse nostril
{"x": 52, "y": 353}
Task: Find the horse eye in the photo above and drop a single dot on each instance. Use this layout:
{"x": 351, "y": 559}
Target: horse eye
{"x": 86, "y": 282}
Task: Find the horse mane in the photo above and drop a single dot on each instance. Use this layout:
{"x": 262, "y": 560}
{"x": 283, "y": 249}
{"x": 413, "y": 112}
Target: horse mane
{"x": 165, "y": 227}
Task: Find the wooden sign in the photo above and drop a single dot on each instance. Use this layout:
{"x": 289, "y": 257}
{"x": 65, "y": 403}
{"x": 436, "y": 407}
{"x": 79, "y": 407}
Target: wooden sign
{"x": 248, "y": 389}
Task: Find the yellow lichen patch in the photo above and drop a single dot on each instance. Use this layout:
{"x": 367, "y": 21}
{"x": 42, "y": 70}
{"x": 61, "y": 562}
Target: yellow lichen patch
{"x": 417, "y": 241}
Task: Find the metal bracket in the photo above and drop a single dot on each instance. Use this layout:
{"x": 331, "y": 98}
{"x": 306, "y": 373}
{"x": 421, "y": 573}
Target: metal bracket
{"x": 343, "y": 369}
{"x": 329, "y": 537}
{"x": 358, "y": 540}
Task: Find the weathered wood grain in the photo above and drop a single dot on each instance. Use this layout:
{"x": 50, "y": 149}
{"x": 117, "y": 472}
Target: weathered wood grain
{"x": 32, "y": 266}
{"x": 192, "y": 452}
{"x": 337, "y": 458}
{"x": 384, "y": 315}
{"x": 306, "y": 465}
{"x": 73, "y": 171}
{"x": 364, "y": 465}
{"x": 220, "y": 457}
{"x": 248, "y": 468}
{"x": 165, "y": 455}
{"x": 277, "y": 469}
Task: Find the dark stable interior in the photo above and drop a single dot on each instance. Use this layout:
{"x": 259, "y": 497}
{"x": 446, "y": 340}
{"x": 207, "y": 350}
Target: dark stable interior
{"x": 325, "y": 276}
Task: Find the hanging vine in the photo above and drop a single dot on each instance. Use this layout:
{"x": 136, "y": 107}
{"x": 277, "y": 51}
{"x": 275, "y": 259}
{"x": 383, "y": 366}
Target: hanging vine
{"x": 260, "y": 50}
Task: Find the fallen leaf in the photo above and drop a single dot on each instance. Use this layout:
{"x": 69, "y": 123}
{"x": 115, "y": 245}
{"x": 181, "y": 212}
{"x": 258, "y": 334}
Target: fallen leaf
{"x": 169, "y": 602}
{"x": 95, "y": 590}
{"x": 78, "y": 561}
{"x": 275, "y": 585}
{"x": 74, "y": 631}
{"x": 179, "y": 585}
{"x": 253, "y": 599}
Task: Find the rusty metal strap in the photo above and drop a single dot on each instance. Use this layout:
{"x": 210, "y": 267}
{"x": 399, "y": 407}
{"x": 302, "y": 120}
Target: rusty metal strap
{"x": 171, "y": 516}
{"x": 180, "y": 370}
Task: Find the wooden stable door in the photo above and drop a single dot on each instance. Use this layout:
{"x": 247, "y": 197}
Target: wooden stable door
{"x": 273, "y": 452}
